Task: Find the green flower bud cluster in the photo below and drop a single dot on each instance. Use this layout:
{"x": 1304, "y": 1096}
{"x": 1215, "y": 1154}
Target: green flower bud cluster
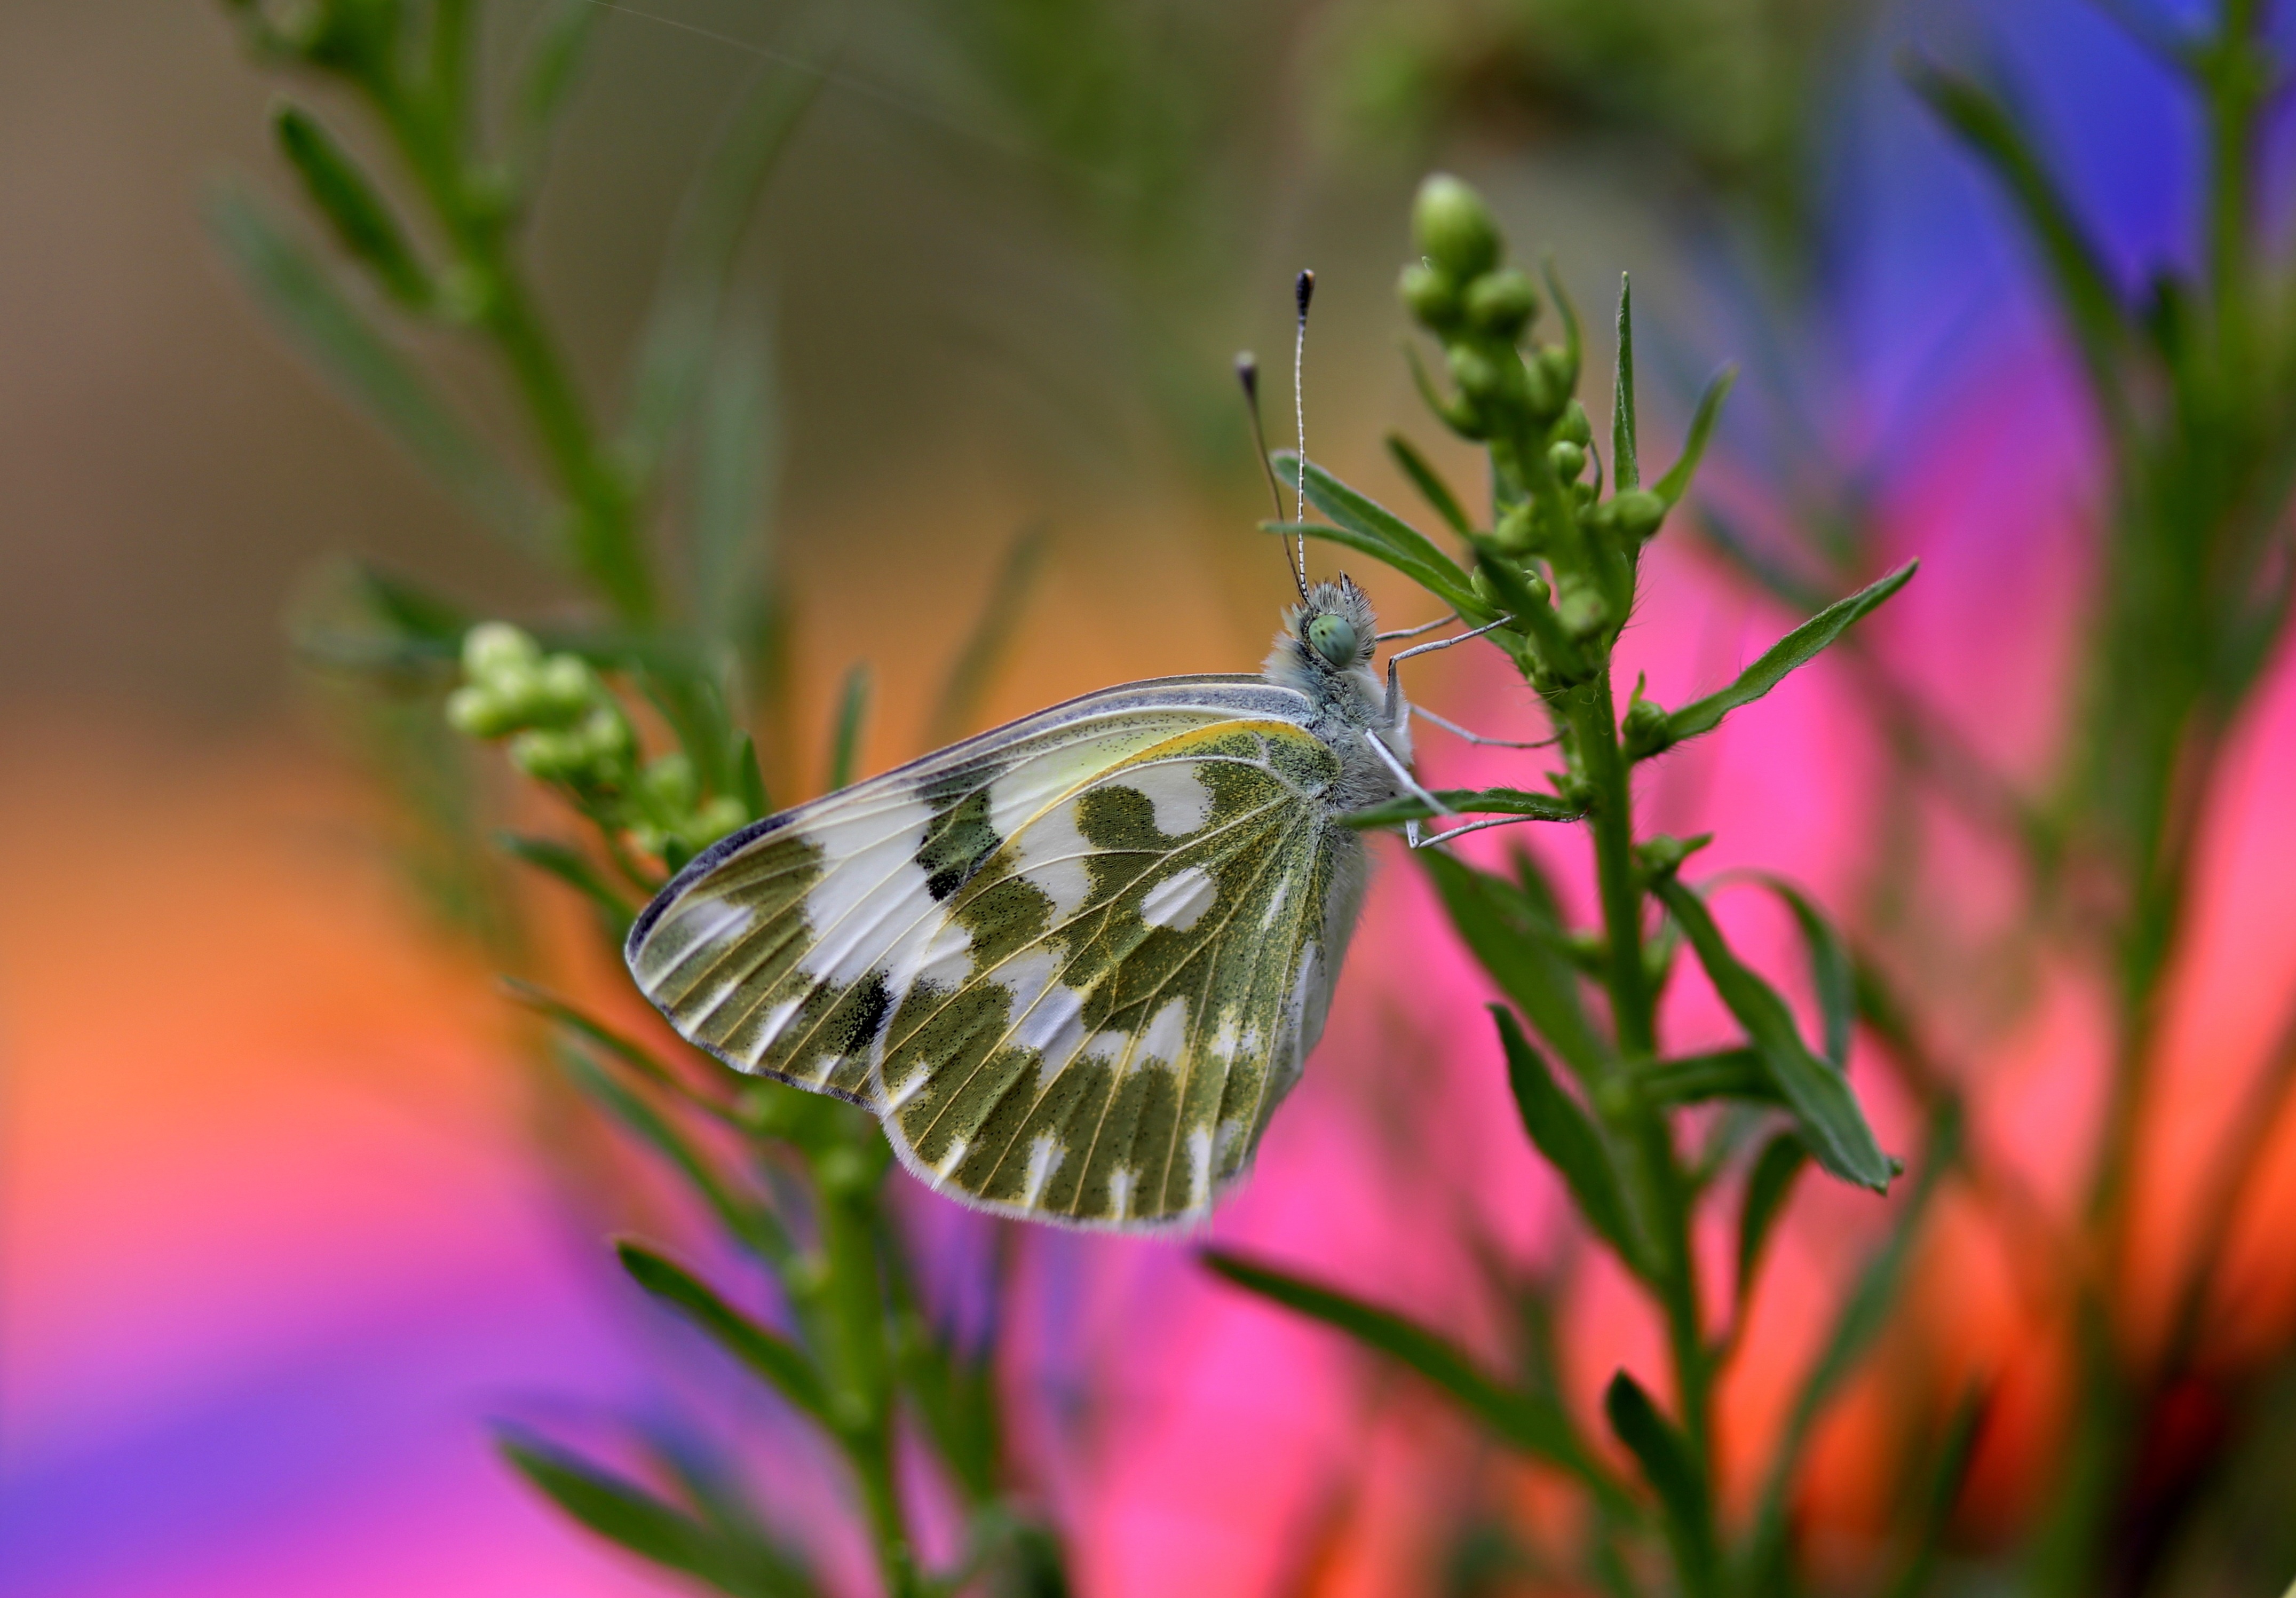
{"x": 566, "y": 729}
{"x": 1574, "y": 550}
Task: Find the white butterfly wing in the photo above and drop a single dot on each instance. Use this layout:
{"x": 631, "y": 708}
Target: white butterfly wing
{"x": 1072, "y": 963}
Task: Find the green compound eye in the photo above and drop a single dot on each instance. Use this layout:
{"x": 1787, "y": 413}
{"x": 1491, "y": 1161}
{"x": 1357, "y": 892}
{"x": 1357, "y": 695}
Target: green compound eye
{"x": 1334, "y": 637}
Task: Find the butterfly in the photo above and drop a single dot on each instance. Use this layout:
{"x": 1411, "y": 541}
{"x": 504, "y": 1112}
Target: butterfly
{"x": 1073, "y": 963}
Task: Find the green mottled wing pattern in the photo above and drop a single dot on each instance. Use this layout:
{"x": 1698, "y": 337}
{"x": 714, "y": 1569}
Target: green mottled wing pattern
{"x": 1072, "y": 963}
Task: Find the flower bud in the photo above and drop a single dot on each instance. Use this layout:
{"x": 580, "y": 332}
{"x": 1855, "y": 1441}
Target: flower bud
{"x": 1542, "y": 395}
{"x": 549, "y": 756}
{"x": 1574, "y": 425}
{"x": 1639, "y": 511}
{"x": 1644, "y": 727}
{"x": 1428, "y": 295}
{"x": 563, "y": 688}
{"x": 670, "y": 782}
{"x": 1479, "y": 376}
{"x": 1583, "y": 609}
{"x": 476, "y": 713}
{"x": 1501, "y": 303}
{"x": 1567, "y": 459}
{"x": 1516, "y": 533}
{"x": 1454, "y": 228}
{"x": 492, "y": 645}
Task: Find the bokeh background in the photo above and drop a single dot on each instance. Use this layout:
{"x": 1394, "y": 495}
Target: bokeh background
{"x": 287, "y": 1213}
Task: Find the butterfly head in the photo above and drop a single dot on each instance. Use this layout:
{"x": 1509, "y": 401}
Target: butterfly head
{"x": 1326, "y": 639}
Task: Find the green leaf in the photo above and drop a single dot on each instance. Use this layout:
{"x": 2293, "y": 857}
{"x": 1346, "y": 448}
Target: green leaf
{"x": 986, "y": 644}
{"x": 1467, "y": 801}
{"x": 736, "y": 472}
{"x": 570, "y": 866}
{"x": 1531, "y": 615}
{"x": 681, "y": 324}
{"x": 1626, "y": 470}
{"x": 1519, "y": 942}
{"x": 2085, "y": 291}
{"x": 1573, "y": 1144}
{"x": 1768, "y": 1187}
{"x": 1365, "y": 524}
{"x": 750, "y": 1222}
{"x": 1832, "y": 1124}
{"x": 1674, "y": 1473}
{"x": 1833, "y": 977}
{"x": 1795, "y": 649}
{"x": 1533, "y": 1422}
{"x": 768, "y": 1354}
{"x": 844, "y": 738}
{"x": 551, "y": 58}
{"x": 339, "y": 192}
{"x": 627, "y": 1514}
{"x": 1694, "y": 1078}
{"x": 1428, "y": 483}
{"x": 302, "y": 301}
{"x": 1675, "y": 483}
{"x": 750, "y": 779}
{"x": 1859, "y": 1320}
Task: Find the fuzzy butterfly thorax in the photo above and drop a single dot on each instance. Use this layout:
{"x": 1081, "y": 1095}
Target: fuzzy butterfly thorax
{"x": 1074, "y": 963}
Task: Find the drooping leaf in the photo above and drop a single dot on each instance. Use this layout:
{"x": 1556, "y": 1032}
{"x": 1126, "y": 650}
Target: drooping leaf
{"x": 303, "y": 302}
{"x": 570, "y": 866}
{"x": 845, "y": 737}
{"x": 628, "y": 1515}
{"x": 1795, "y": 649}
{"x": 1833, "y": 977}
{"x": 985, "y": 647}
{"x": 768, "y": 1354}
{"x": 1573, "y": 1144}
{"x": 1694, "y": 1078}
{"x": 1429, "y": 482}
{"x": 1674, "y": 1474}
{"x": 1675, "y": 483}
{"x": 1768, "y": 1185}
{"x": 1519, "y": 942}
{"x": 1365, "y": 524}
{"x": 736, "y": 474}
{"x": 1467, "y": 801}
{"x": 1855, "y": 1324}
{"x": 682, "y": 323}
{"x": 1832, "y": 1126}
{"x": 1533, "y": 1422}
{"x": 363, "y": 220}
{"x": 1626, "y": 469}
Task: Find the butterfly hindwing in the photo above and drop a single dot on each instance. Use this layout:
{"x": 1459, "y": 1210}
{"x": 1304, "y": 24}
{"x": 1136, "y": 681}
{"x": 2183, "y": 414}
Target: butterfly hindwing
{"x": 1072, "y": 964}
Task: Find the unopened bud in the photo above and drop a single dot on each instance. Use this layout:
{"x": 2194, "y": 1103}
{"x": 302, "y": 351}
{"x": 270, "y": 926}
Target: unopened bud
{"x": 1516, "y": 532}
{"x": 1638, "y": 513}
{"x": 1644, "y": 727}
{"x": 1574, "y": 425}
{"x": 1428, "y": 295}
{"x": 490, "y": 646}
{"x": 1567, "y": 459}
{"x": 1480, "y": 377}
{"x": 1454, "y": 228}
{"x": 1501, "y": 303}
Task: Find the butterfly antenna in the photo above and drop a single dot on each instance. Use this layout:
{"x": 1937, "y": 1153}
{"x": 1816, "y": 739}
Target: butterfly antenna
{"x": 1247, "y": 372}
{"x": 1303, "y": 290}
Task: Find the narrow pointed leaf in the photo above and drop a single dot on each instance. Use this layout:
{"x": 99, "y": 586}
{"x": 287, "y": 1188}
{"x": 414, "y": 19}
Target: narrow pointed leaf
{"x": 1573, "y": 1144}
{"x": 1522, "y": 950}
{"x": 736, "y": 475}
{"x": 550, "y": 61}
{"x": 1795, "y": 649}
{"x": 1379, "y": 531}
{"x": 1626, "y": 469}
{"x": 1833, "y": 978}
{"x": 750, "y": 779}
{"x": 628, "y": 1515}
{"x": 1832, "y": 1126}
{"x": 1429, "y": 482}
{"x": 1768, "y": 1185}
{"x": 768, "y": 1354}
{"x": 1695, "y": 1078}
{"x": 1467, "y": 802}
{"x": 301, "y": 300}
{"x": 844, "y": 738}
{"x": 1855, "y": 1324}
{"x": 1674, "y": 1474}
{"x": 1531, "y": 1422}
{"x": 985, "y": 647}
{"x": 1675, "y": 483}
{"x": 363, "y": 220}
{"x": 570, "y": 866}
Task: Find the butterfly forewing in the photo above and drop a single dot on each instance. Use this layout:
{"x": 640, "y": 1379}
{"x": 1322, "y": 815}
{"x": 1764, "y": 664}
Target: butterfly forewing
{"x": 1072, "y": 963}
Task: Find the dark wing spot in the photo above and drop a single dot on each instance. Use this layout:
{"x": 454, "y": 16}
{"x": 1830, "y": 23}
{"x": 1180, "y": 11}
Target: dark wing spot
{"x": 957, "y": 842}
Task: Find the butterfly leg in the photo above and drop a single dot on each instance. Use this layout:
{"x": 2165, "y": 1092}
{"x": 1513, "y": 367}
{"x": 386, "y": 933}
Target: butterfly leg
{"x": 1425, "y": 626}
{"x": 1453, "y": 727}
{"x": 1395, "y": 686}
{"x": 1432, "y": 839}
